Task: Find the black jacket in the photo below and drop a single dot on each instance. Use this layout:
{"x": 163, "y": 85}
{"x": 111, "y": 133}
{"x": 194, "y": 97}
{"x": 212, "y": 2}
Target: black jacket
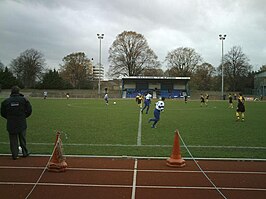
{"x": 16, "y": 109}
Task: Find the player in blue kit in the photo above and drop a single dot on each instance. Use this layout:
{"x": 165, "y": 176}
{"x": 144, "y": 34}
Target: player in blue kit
{"x": 159, "y": 107}
{"x": 147, "y": 103}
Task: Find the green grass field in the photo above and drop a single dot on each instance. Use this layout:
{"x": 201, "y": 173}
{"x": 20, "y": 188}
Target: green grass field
{"x": 91, "y": 128}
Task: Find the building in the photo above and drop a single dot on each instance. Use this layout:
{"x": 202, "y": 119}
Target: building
{"x": 168, "y": 87}
{"x": 98, "y": 72}
{"x": 260, "y": 83}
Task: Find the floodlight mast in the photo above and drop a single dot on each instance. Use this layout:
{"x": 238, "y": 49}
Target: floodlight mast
{"x": 100, "y": 37}
{"x": 222, "y": 38}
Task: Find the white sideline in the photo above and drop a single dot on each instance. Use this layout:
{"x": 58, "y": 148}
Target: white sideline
{"x": 139, "y": 129}
{"x": 135, "y": 145}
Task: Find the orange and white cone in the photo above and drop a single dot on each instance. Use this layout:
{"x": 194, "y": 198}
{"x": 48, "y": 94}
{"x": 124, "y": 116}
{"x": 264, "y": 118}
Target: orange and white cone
{"x": 57, "y": 162}
{"x": 175, "y": 159}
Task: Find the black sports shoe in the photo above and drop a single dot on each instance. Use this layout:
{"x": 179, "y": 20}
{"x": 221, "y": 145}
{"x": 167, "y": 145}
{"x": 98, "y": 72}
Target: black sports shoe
{"x": 26, "y": 155}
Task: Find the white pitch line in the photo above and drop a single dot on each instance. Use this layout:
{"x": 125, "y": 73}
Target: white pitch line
{"x": 139, "y": 129}
{"x": 134, "y": 180}
{"x": 141, "y": 145}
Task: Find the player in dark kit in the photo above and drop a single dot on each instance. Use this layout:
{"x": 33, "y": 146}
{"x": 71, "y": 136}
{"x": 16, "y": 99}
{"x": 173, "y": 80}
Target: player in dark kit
{"x": 139, "y": 100}
{"x": 207, "y": 98}
{"x": 240, "y": 111}
{"x": 185, "y": 97}
{"x": 230, "y": 98}
{"x": 202, "y": 100}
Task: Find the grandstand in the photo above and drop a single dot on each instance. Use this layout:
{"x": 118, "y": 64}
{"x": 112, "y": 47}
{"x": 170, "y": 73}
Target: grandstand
{"x": 168, "y": 87}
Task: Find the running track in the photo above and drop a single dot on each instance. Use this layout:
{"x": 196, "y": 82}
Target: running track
{"x": 131, "y": 178}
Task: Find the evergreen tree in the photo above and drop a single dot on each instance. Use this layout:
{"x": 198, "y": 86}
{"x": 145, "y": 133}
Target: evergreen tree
{"x": 52, "y": 80}
{"x": 7, "y": 79}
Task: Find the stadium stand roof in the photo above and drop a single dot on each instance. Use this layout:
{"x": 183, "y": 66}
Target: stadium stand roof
{"x": 151, "y": 78}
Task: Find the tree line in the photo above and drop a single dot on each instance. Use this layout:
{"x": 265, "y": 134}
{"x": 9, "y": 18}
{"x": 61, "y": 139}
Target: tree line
{"x": 130, "y": 55}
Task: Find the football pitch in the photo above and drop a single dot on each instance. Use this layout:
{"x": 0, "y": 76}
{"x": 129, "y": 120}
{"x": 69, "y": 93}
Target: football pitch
{"x": 91, "y": 128}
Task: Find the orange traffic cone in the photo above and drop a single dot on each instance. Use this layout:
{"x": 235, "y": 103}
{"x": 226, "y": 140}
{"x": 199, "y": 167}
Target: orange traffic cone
{"x": 57, "y": 162}
{"x": 176, "y": 160}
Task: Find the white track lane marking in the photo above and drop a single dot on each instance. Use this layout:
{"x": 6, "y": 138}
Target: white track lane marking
{"x": 134, "y": 186}
{"x": 130, "y": 186}
{"x": 134, "y": 179}
{"x": 141, "y": 170}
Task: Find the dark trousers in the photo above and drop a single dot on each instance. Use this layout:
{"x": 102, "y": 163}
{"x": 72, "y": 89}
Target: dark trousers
{"x": 13, "y": 139}
{"x": 156, "y": 117}
{"x": 146, "y": 105}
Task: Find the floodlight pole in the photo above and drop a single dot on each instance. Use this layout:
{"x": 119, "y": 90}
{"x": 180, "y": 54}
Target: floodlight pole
{"x": 100, "y": 37}
{"x": 222, "y": 38}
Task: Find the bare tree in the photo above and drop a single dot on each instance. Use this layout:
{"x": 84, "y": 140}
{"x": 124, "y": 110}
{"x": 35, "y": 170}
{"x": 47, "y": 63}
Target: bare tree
{"x": 236, "y": 67}
{"x": 182, "y": 61}
{"x": 130, "y": 55}
{"x": 1, "y": 65}
{"x": 262, "y": 68}
{"x": 153, "y": 72}
{"x": 77, "y": 69}
{"x": 28, "y": 67}
{"x": 203, "y": 76}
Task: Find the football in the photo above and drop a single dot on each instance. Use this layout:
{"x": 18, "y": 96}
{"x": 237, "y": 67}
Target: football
{"x": 114, "y": 102}
{"x": 19, "y": 149}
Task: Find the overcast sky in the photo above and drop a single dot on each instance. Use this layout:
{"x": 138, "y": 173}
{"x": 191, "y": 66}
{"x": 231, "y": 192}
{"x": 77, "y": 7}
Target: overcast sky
{"x": 60, "y": 27}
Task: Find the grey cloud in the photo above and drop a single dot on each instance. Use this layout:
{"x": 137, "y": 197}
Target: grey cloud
{"x": 60, "y": 27}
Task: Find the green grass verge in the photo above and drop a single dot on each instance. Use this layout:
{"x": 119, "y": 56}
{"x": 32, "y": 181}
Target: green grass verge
{"x": 92, "y": 128}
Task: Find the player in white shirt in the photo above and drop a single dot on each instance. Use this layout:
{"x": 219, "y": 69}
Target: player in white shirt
{"x": 106, "y": 98}
{"x": 45, "y": 94}
{"x": 147, "y": 103}
{"x": 159, "y": 107}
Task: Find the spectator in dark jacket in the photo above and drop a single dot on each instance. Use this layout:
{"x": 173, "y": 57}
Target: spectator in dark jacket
{"x": 16, "y": 109}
